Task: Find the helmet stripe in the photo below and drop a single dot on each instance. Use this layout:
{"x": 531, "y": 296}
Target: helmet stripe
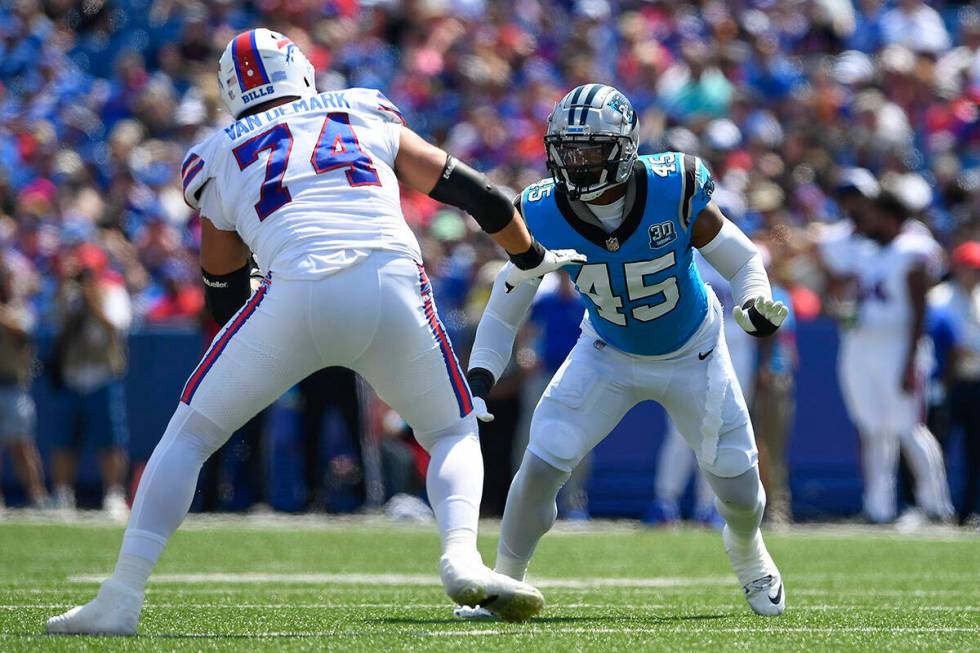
{"x": 571, "y": 104}
{"x": 587, "y": 102}
{"x": 248, "y": 64}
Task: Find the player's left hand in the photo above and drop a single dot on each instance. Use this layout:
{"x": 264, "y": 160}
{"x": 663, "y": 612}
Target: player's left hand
{"x": 761, "y": 317}
{"x": 481, "y": 411}
{"x": 554, "y": 259}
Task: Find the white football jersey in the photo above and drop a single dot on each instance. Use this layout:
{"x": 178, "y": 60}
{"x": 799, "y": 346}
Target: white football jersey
{"x": 308, "y": 185}
{"x": 882, "y": 274}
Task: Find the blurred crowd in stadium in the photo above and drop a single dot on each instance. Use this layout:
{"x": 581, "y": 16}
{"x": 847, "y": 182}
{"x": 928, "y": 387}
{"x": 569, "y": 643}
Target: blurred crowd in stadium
{"x": 100, "y": 100}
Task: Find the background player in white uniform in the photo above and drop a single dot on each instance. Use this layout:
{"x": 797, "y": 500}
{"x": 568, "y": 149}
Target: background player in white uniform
{"x": 884, "y": 360}
{"x": 653, "y": 330}
{"x": 676, "y": 460}
{"x": 309, "y": 183}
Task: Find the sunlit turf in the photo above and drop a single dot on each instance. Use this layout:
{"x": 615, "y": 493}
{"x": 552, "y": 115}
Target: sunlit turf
{"x": 371, "y": 586}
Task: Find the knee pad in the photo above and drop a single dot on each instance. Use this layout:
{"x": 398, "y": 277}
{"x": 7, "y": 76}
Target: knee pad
{"x": 736, "y": 453}
{"x": 557, "y": 443}
{"x": 201, "y": 434}
{"x": 730, "y": 462}
{"x": 541, "y": 472}
{"x": 466, "y": 426}
{"x": 743, "y": 492}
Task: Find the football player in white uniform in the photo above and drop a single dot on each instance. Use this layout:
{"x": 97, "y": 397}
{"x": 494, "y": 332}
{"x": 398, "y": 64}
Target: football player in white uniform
{"x": 309, "y": 182}
{"x": 884, "y": 357}
{"x": 653, "y": 329}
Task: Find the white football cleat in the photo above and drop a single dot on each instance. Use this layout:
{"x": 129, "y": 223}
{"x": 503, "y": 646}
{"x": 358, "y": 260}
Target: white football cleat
{"x": 114, "y": 611}
{"x": 465, "y": 581}
{"x": 766, "y": 596}
{"x": 512, "y": 600}
{"x": 474, "y": 614}
{"x": 760, "y": 579}
{"x": 475, "y": 585}
{"x": 114, "y": 505}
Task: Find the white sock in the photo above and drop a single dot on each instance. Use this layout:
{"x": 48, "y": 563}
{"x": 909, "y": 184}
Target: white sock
{"x": 116, "y": 491}
{"x": 926, "y": 461}
{"x": 529, "y": 514}
{"x": 166, "y": 490}
{"x": 131, "y": 573}
{"x": 455, "y": 486}
{"x": 741, "y": 501}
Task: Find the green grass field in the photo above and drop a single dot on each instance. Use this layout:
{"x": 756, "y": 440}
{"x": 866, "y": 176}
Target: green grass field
{"x": 300, "y": 584}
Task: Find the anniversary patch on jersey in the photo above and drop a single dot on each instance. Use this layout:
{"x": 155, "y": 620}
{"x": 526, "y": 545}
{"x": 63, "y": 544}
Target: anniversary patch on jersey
{"x": 662, "y": 234}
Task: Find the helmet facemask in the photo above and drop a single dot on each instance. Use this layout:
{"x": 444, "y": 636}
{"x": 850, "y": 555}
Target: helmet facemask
{"x": 588, "y": 166}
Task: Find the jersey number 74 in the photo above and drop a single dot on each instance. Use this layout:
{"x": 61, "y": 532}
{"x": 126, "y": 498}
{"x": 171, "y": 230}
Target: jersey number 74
{"x": 336, "y": 148}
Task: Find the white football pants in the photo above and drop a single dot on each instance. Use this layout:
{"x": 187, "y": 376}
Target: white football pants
{"x": 377, "y": 318}
{"x": 870, "y": 368}
{"x": 598, "y": 384}
{"x": 676, "y": 460}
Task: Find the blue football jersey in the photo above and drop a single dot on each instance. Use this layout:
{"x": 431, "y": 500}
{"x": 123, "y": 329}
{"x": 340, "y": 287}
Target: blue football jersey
{"x": 645, "y": 295}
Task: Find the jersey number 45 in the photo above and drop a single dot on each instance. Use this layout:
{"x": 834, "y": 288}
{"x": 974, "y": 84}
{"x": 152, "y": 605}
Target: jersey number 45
{"x": 336, "y": 148}
{"x": 593, "y": 281}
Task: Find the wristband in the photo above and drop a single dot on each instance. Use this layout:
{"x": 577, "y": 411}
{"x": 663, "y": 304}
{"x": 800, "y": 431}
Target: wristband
{"x": 530, "y": 259}
{"x": 480, "y": 381}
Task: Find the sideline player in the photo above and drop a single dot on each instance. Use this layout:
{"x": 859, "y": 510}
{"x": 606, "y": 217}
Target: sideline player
{"x": 308, "y": 182}
{"x": 884, "y": 356}
{"x": 653, "y": 329}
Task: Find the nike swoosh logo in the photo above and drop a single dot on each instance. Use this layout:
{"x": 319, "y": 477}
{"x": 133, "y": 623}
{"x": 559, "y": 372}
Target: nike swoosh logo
{"x": 779, "y": 595}
{"x": 702, "y": 356}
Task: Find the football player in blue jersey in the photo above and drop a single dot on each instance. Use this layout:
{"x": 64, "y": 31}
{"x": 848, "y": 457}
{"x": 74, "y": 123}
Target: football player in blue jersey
{"x": 652, "y": 330}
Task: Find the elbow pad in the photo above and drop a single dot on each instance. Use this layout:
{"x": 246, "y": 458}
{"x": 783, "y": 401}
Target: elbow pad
{"x": 224, "y": 294}
{"x": 463, "y": 187}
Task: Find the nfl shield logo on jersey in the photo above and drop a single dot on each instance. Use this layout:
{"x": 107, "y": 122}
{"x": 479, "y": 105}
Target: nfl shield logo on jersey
{"x": 612, "y": 244}
{"x": 662, "y": 234}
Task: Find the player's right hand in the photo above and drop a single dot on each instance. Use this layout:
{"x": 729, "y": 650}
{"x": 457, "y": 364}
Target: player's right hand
{"x": 554, "y": 259}
{"x": 760, "y": 317}
{"x": 481, "y": 411}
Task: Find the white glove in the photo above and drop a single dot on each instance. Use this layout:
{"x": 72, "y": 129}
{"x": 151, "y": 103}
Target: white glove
{"x": 553, "y": 260}
{"x": 480, "y": 410}
{"x": 762, "y": 317}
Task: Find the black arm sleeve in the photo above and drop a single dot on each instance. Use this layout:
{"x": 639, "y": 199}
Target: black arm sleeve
{"x": 535, "y": 254}
{"x": 463, "y": 187}
{"x": 224, "y": 294}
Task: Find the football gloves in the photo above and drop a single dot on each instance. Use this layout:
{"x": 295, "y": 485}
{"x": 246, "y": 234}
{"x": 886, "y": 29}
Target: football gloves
{"x": 480, "y": 381}
{"x": 480, "y": 410}
{"x": 554, "y": 259}
{"x": 760, "y": 317}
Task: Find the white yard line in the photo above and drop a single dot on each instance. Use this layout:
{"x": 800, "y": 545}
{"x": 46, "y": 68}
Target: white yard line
{"x": 151, "y": 605}
{"x": 557, "y": 629}
{"x": 688, "y": 607}
{"x": 229, "y": 583}
{"x": 413, "y": 580}
{"x": 659, "y": 630}
{"x": 285, "y": 522}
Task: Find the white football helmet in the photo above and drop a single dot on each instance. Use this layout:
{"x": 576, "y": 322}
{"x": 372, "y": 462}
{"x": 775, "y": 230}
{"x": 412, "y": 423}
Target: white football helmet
{"x": 592, "y": 137}
{"x": 261, "y": 65}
